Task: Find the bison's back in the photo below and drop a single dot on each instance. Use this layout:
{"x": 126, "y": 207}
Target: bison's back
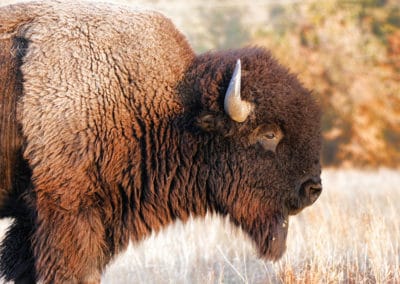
{"x": 93, "y": 75}
{"x": 82, "y": 88}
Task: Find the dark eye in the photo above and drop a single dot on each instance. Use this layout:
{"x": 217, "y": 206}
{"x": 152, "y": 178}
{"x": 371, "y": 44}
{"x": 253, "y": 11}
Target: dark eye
{"x": 270, "y": 135}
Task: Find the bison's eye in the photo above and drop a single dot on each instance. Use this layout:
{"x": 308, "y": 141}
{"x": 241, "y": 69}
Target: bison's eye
{"x": 268, "y": 136}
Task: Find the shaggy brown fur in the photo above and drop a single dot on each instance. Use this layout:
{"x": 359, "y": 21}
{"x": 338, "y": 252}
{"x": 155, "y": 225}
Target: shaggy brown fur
{"x": 124, "y": 131}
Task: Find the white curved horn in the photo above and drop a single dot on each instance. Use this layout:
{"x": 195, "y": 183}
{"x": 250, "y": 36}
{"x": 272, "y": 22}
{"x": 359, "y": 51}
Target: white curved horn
{"x": 234, "y": 106}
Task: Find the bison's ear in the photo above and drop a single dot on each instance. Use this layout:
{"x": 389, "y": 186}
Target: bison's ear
{"x": 212, "y": 122}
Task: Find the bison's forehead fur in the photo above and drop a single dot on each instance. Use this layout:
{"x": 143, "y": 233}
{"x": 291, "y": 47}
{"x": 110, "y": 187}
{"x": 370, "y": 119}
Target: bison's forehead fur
{"x": 277, "y": 95}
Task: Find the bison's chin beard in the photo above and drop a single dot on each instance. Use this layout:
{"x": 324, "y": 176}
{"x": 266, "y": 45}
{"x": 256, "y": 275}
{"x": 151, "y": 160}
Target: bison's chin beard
{"x": 270, "y": 236}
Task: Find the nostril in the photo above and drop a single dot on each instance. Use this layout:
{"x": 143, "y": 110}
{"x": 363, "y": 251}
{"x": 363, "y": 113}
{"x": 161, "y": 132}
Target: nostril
{"x": 307, "y": 193}
{"x": 313, "y": 191}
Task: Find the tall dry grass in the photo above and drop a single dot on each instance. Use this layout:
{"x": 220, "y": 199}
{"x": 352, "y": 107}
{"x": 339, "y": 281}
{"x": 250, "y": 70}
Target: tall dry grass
{"x": 351, "y": 235}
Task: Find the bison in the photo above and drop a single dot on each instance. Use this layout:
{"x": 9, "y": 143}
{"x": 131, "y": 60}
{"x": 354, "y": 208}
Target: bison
{"x": 112, "y": 128}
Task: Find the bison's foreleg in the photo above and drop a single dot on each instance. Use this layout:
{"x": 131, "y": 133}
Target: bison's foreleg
{"x": 69, "y": 246}
{"x": 16, "y": 259}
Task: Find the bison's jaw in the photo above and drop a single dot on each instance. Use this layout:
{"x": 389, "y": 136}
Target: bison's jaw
{"x": 270, "y": 238}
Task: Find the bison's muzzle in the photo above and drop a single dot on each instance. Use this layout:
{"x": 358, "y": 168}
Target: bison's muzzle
{"x": 307, "y": 193}
{"x": 272, "y": 243}
{"x": 310, "y": 191}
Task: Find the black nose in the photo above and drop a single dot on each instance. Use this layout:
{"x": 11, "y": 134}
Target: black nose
{"x": 310, "y": 191}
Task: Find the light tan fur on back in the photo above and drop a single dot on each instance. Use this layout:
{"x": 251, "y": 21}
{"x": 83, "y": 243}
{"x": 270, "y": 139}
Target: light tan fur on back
{"x": 90, "y": 73}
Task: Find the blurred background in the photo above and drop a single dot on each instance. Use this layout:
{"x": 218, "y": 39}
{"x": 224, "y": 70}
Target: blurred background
{"x": 346, "y": 51}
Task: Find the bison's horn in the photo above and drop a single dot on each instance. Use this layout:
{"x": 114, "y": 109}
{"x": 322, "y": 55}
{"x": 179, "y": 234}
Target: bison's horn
{"x": 234, "y": 106}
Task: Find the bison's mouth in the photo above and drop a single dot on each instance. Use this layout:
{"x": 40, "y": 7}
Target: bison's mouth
{"x": 270, "y": 237}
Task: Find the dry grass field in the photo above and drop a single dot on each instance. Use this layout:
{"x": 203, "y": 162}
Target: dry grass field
{"x": 351, "y": 235}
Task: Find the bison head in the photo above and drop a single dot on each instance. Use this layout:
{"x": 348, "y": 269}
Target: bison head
{"x": 260, "y": 137}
